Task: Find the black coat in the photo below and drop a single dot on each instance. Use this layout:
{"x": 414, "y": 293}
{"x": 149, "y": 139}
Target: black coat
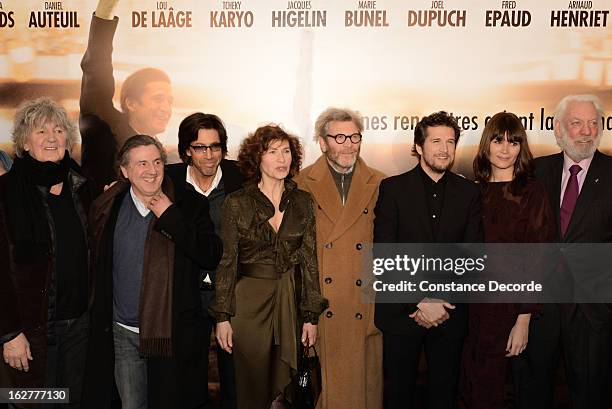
{"x": 232, "y": 180}
{"x": 402, "y": 216}
{"x": 174, "y": 382}
{"x": 27, "y": 290}
{"x": 591, "y": 220}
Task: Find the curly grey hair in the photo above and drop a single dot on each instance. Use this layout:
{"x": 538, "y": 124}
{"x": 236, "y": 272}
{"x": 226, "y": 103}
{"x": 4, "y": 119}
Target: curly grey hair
{"x": 336, "y": 114}
{"x": 33, "y": 114}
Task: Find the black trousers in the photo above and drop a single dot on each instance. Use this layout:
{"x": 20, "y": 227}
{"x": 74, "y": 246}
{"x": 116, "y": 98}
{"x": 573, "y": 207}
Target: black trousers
{"x": 66, "y": 352}
{"x": 401, "y": 354}
{"x": 225, "y": 363}
{"x": 586, "y": 350}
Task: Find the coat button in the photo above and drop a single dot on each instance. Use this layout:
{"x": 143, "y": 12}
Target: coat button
{"x": 329, "y": 314}
{"x": 358, "y": 283}
{"x": 365, "y": 211}
{"x": 106, "y": 329}
{"x": 328, "y": 246}
{"x": 328, "y": 280}
{"x": 359, "y": 246}
{"x": 358, "y": 316}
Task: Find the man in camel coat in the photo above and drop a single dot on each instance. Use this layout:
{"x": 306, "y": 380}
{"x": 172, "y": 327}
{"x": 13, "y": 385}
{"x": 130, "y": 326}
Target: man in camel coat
{"x": 345, "y": 190}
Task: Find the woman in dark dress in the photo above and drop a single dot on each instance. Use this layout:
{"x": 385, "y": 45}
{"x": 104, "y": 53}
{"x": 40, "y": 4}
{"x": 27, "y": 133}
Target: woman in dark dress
{"x": 268, "y": 233}
{"x": 515, "y": 210}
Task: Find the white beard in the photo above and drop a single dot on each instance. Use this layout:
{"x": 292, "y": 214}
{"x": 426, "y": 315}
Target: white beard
{"x": 574, "y": 152}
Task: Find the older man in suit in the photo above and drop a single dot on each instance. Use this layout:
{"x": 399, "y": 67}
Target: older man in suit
{"x": 578, "y": 181}
{"x": 428, "y": 204}
{"x": 345, "y": 190}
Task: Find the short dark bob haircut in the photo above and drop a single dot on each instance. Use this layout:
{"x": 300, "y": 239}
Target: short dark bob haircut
{"x": 504, "y": 125}
{"x": 440, "y": 118}
{"x": 254, "y": 146}
{"x": 191, "y": 125}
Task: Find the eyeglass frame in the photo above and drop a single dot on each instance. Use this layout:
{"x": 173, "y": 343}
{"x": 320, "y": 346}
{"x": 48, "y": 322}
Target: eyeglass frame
{"x": 214, "y": 148}
{"x": 350, "y": 137}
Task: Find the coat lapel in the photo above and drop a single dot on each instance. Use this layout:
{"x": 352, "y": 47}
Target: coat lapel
{"x": 323, "y": 188}
{"x": 363, "y": 186}
{"x": 588, "y": 193}
{"x": 554, "y": 185}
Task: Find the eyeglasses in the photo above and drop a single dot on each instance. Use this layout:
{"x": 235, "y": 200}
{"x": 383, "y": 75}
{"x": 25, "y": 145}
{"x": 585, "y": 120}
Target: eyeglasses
{"x": 215, "y": 147}
{"x": 341, "y": 138}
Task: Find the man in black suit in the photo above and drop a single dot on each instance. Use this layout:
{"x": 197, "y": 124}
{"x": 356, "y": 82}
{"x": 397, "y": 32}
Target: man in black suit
{"x": 202, "y": 147}
{"x": 428, "y": 204}
{"x": 578, "y": 181}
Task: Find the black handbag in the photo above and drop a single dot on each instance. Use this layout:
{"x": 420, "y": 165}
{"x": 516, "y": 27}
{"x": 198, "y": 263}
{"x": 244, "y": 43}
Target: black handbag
{"x": 308, "y": 380}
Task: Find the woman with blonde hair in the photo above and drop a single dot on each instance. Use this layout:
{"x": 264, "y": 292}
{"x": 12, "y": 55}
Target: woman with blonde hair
{"x": 44, "y": 200}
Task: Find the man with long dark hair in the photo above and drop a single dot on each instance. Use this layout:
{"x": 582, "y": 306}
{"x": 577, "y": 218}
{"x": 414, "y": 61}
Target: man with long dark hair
{"x": 202, "y": 147}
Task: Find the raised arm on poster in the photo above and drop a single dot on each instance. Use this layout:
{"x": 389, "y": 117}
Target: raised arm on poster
{"x": 106, "y": 9}
{"x": 145, "y": 99}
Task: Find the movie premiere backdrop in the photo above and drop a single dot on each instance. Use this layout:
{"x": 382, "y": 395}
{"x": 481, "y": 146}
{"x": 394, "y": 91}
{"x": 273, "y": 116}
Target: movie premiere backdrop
{"x": 254, "y": 62}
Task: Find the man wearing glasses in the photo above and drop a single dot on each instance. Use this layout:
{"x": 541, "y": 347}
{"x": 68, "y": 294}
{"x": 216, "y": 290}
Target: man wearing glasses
{"x": 202, "y": 147}
{"x": 345, "y": 190}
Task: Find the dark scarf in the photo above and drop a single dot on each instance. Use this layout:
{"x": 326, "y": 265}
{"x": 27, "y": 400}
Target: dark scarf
{"x": 27, "y": 217}
{"x": 157, "y": 274}
{"x": 156, "y": 291}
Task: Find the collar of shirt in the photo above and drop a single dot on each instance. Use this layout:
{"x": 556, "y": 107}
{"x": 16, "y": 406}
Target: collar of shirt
{"x": 429, "y": 182}
{"x": 189, "y": 179}
{"x": 581, "y": 176}
{"x": 141, "y": 207}
{"x": 584, "y": 163}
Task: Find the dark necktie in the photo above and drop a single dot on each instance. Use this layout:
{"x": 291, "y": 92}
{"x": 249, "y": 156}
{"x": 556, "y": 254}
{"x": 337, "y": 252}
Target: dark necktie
{"x": 569, "y": 198}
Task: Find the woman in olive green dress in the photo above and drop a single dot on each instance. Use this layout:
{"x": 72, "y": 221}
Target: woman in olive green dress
{"x": 268, "y": 232}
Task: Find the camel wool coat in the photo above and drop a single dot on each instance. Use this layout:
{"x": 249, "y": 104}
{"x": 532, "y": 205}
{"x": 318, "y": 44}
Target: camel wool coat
{"x": 349, "y": 345}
